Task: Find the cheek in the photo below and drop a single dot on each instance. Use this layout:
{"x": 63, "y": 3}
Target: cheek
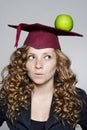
{"x": 28, "y": 66}
{"x": 52, "y": 68}
{"x": 29, "y": 69}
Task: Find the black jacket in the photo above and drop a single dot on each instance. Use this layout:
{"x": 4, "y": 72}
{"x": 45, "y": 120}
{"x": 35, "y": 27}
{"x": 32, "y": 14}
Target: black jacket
{"x": 23, "y": 121}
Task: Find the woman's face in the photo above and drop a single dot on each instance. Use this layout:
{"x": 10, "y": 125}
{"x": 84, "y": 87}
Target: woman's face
{"x": 41, "y": 65}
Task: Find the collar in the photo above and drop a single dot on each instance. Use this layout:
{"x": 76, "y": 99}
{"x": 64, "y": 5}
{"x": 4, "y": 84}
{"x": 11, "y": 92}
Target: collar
{"x": 25, "y": 117}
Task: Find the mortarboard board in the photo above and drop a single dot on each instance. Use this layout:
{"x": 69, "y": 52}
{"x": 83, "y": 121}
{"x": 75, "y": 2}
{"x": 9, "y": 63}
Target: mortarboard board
{"x": 41, "y": 36}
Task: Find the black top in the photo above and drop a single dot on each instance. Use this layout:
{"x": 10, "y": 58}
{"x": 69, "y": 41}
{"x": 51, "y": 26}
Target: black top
{"x": 38, "y": 125}
{"x": 23, "y": 121}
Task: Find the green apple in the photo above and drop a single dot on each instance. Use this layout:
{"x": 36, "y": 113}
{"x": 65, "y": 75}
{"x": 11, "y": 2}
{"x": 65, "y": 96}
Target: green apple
{"x": 64, "y": 22}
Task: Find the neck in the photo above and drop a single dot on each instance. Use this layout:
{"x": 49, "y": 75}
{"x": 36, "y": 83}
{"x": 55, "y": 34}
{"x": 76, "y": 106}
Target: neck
{"x": 43, "y": 89}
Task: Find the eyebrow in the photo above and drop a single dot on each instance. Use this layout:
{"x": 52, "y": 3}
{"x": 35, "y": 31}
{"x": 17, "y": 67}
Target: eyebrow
{"x": 44, "y": 53}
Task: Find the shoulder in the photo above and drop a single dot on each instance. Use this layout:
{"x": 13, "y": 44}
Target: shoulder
{"x": 3, "y": 110}
{"x": 82, "y": 93}
{"x": 83, "y": 112}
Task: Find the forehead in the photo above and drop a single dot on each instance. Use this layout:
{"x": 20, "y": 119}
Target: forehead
{"x": 41, "y": 51}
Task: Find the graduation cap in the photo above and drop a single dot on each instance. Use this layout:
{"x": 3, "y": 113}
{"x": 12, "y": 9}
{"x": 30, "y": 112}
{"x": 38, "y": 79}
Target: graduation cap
{"x": 41, "y": 36}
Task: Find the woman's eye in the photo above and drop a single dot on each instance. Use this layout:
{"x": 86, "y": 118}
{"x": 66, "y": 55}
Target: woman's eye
{"x": 31, "y": 57}
{"x": 47, "y": 57}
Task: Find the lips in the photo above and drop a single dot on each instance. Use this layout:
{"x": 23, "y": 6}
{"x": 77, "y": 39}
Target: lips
{"x": 38, "y": 74}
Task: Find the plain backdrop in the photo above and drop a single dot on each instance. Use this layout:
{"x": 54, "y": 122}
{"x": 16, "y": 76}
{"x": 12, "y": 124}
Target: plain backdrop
{"x": 45, "y": 12}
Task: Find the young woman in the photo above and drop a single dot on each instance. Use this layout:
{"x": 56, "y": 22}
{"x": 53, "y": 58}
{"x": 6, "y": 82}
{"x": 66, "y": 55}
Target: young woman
{"x": 39, "y": 91}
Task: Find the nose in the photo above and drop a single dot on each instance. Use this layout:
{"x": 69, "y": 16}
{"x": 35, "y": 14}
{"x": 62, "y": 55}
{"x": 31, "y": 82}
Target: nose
{"x": 38, "y": 64}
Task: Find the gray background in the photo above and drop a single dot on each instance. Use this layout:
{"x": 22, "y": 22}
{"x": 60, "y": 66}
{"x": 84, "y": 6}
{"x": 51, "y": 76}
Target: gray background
{"x": 45, "y": 12}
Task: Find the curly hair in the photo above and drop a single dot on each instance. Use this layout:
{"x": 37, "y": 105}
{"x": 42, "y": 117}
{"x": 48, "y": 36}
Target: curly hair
{"x": 67, "y": 102}
{"x": 17, "y": 87}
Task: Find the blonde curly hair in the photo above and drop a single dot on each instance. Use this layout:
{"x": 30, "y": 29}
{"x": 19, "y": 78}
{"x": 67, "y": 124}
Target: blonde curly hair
{"x": 17, "y": 87}
{"x": 67, "y": 102}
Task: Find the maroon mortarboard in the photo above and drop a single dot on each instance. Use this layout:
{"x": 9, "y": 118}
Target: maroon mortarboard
{"x": 41, "y": 36}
